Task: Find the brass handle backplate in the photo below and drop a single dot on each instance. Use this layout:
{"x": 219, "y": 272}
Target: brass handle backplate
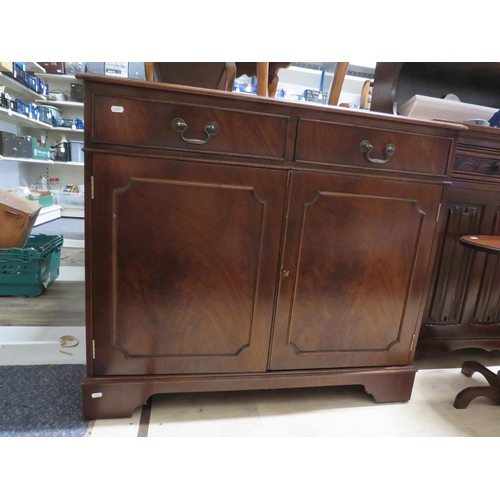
{"x": 179, "y": 125}
{"x": 366, "y": 148}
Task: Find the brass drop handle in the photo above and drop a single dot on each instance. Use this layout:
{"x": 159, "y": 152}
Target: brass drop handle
{"x": 366, "y": 148}
{"x": 179, "y": 125}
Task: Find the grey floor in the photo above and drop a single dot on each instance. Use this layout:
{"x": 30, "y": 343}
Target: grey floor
{"x": 71, "y": 228}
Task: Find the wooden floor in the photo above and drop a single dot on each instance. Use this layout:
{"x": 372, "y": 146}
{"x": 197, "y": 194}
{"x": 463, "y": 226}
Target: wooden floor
{"x": 62, "y": 304}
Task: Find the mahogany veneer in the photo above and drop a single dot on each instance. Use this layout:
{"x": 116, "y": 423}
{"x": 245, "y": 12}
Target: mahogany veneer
{"x": 462, "y": 309}
{"x": 273, "y": 253}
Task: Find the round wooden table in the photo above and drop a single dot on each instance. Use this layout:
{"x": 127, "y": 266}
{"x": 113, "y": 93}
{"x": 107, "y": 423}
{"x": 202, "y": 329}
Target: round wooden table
{"x": 491, "y": 245}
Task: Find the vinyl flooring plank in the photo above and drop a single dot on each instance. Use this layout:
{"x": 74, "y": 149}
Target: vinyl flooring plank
{"x": 62, "y": 304}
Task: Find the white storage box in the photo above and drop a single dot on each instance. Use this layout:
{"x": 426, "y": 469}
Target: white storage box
{"x": 76, "y": 151}
{"x": 430, "y": 108}
{"x": 70, "y": 200}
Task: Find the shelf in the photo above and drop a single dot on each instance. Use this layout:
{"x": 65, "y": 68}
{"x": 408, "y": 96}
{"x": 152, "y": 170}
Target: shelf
{"x": 46, "y": 162}
{"x": 22, "y": 120}
{"x": 56, "y": 104}
{"x": 24, "y": 160}
{"x": 67, "y": 129}
{"x": 47, "y": 77}
{"x": 33, "y": 66}
{"x": 68, "y": 163}
{"x": 73, "y": 212}
{"x": 18, "y": 89}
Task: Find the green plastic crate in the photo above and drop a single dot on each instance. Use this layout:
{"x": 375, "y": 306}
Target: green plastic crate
{"x": 28, "y": 272}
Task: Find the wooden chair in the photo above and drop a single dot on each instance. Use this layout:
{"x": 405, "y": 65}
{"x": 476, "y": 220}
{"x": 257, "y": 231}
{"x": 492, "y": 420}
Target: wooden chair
{"x": 221, "y": 75}
{"x": 266, "y": 73}
{"x": 216, "y": 75}
{"x": 208, "y": 75}
{"x": 338, "y": 81}
{"x": 364, "y": 101}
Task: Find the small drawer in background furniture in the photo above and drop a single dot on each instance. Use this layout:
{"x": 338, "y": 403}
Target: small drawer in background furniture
{"x": 374, "y": 148}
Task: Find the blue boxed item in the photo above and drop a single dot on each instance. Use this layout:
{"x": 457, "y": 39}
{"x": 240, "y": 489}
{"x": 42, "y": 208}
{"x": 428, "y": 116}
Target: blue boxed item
{"x": 34, "y": 112}
{"x": 29, "y": 271}
{"x": 21, "y": 107}
{"x": 30, "y": 81}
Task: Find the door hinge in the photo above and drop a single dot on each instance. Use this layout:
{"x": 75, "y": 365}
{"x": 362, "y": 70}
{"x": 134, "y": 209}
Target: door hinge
{"x": 412, "y": 340}
{"x": 438, "y": 212}
{"x": 92, "y": 187}
{"x": 93, "y": 349}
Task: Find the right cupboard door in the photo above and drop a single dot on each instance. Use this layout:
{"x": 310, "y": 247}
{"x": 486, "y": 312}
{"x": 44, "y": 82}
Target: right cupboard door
{"x": 354, "y": 271}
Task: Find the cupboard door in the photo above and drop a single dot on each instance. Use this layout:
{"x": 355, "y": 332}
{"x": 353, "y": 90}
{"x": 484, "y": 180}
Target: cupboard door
{"x": 354, "y": 270}
{"x": 184, "y": 261}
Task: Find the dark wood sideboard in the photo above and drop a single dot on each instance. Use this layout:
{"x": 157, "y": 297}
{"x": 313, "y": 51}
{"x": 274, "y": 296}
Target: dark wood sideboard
{"x": 240, "y": 242}
{"x": 463, "y": 306}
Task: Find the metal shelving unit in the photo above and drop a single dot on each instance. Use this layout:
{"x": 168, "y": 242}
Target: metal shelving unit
{"x": 29, "y": 168}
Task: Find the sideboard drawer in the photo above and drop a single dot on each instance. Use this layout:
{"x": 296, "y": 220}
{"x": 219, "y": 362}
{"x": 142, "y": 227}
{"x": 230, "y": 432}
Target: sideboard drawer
{"x": 384, "y": 149}
{"x": 147, "y": 123}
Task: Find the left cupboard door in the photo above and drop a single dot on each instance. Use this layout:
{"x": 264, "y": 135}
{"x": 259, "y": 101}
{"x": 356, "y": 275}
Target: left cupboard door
{"x": 184, "y": 258}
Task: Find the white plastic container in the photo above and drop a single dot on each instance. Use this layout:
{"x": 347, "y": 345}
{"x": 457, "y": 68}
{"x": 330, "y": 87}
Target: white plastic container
{"x": 432, "y": 108}
{"x": 69, "y": 200}
{"x": 75, "y": 151}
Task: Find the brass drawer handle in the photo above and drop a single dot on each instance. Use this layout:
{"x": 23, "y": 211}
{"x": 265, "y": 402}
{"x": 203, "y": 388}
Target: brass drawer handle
{"x": 366, "y": 148}
{"x": 179, "y": 125}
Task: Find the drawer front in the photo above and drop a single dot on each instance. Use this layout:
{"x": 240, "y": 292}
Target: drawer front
{"x": 148, "y": 124}
{"x": 335, "y": 143}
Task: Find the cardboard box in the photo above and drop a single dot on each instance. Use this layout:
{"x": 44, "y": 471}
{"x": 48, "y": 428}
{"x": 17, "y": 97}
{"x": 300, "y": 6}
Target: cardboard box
{"x": 56, "y": 68}
{"x": 40, "y": 152}
{"x": 17, "y": 218}
{"x": 6, "y": 66}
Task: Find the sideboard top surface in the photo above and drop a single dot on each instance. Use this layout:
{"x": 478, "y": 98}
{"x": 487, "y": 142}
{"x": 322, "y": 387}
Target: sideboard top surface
{"x": 279, "y": 105}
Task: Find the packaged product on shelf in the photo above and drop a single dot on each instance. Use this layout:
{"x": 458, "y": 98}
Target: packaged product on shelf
{"x": 56, "y": 68}
{"x": 61, "y": 150}
{"x": 76, "y": 151}
{"x": 49, "y": 113}
{"x": 14, "y": 146}
{"x": 76, "y": 92}
{"x": 72, "y": 68}
{"x": 54, "y": 184}
{"x": 41, "y": 149}
{"x": 4, "y": 101}
{"x": 43, "y": 198}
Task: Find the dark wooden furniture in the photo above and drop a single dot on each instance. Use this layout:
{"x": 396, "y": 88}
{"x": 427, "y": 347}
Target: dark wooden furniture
{"x": 208, "y": 75}
{"x": 241, "y": 242}
{"x": 397, "y": 82}
{"x": 462, "y": 307}
{"x": 491, "y": 246}
{"x": 217, "y": 75}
